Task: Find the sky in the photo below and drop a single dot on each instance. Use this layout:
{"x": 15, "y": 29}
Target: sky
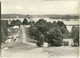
{"x": 39, "y": 7}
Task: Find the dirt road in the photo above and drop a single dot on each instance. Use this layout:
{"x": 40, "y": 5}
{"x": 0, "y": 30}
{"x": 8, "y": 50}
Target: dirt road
{"x": 24, "y": 36}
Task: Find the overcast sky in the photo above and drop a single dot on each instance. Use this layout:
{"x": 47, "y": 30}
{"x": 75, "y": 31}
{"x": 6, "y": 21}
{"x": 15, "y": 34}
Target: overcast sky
{"x": 39, "y": 7}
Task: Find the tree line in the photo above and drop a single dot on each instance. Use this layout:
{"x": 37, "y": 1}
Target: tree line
{"x": 43, "y": 31}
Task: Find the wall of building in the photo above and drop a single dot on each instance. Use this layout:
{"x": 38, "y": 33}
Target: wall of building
{"x": 69, "y": 40}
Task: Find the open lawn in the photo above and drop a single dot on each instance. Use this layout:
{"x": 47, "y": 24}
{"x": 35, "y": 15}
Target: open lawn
{"x": 62, "y": 52}
{"x": 19, "y": 46}
{"x": 49, "y": 52}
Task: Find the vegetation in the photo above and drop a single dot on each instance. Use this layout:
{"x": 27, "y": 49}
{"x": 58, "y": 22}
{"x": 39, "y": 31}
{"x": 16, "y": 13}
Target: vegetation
{"x": 49, "y": 16}
{"x": 25, "y": 22}
{"x": 44, "y": 31}
{"x": 54, "y": 36}
{"x": 75, "y": 34}
{"x": 63, "y": 29}
{"x": 4, "y": 32}
{"x": 15, "y": 22}
{"x": 5, "y": 26}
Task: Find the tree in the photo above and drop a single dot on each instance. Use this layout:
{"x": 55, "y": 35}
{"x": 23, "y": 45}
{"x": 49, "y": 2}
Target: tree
{"x": 4, "y": 32}
{"x": 75, "y": 34}
{"x": 34, "y": 32}
{"x": 18, "y": 22}
{"x": 3, "y": 36}
{"x": 44, "y": 31}
{"x": 40, "y": 41}
{"x": 31, "y": 22}
{"x": 54, "y": 36}
{"x": 25, "y": 22}
{"x": 60, "y": 23}
{"x": 13, "y": 22}
{"x": 4, "y": 26}
{"x": 63, "y": 29}
{"x": 42, "y": 26}
{"x": 41, "y": 22}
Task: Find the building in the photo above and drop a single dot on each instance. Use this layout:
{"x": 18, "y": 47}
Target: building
{"x": 15, "y": 27}
{"x": 70, "y": 41}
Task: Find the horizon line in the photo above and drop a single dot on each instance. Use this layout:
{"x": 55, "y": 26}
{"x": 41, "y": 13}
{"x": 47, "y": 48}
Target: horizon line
{"x": 43, "y": 14}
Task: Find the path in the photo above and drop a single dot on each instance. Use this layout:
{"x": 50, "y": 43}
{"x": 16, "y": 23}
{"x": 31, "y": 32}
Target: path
{"x": 24, "y": 36}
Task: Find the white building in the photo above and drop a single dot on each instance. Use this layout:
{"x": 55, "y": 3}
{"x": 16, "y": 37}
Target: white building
{"x": 15, "y": 27}
{"x": 69, "y": 40}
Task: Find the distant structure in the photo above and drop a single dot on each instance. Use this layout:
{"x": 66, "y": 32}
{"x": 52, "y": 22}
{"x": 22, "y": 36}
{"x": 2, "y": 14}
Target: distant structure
{"x": 70, "y": 41}
{"x": 29, "y": 18}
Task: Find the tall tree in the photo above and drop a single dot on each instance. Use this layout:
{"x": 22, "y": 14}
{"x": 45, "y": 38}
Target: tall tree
{"x": 18, "y": 22}
{"x": 25, "y": 21}
{"x": 13, "y": 22}
{"x": 75, "y": 34}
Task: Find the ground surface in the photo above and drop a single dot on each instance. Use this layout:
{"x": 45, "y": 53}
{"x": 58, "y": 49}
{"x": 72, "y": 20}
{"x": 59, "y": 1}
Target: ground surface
{"x": 50, "y": 52}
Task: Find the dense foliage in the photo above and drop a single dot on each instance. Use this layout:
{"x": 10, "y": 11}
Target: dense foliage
{"x": 63, "y": 29}
{"x": 15, "y": 22}
{"x": 4, "y": 32}
{"x": 25, "y": 22}
{"x": 75, "y": 34}
{"x": 44, "y": 31}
